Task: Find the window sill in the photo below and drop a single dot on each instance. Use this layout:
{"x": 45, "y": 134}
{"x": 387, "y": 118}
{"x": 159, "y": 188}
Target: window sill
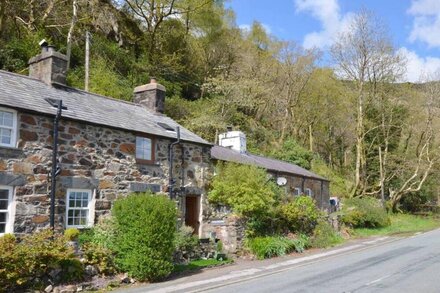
{"x": 11, "y": 152}
{"x": 146, "y": 162}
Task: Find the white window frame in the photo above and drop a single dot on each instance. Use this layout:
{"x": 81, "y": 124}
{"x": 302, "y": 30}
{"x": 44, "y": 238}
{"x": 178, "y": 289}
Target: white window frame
{"x": 308, "y": 192}
{"x": 90, "y": 207}
{"x": 297, "y": 191}
{"x": 10, "y": 210}
{"x": 13, "y": 128}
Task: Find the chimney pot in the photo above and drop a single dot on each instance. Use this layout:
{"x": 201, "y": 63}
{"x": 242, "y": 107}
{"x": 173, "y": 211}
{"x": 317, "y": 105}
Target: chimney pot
{"x": 153, "y": 80}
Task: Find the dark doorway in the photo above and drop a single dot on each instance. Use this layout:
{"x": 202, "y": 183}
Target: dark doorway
{"x": 192, "y": 213}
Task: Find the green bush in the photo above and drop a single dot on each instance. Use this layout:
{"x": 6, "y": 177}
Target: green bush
{"x": 301, "y": 215}
{"x": 365, "y": 212}
{"x": 324, "y": 236}
{"x": 27, "y": 263}
{"x": 145, "y": 225}
{"x": 71, "y": 234}
{"x": 246, "y": 189}
{"x": 270, "y": 246}
{"x": 99, "y": 256}
{"x": 185, "y": 240}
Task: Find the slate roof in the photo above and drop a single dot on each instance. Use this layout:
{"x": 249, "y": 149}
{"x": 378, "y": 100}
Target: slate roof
{"x": 227, "y": 154}
{"x": 25, "y": 93}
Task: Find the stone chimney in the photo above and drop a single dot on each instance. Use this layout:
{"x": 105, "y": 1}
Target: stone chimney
{"x": 49, "y": 66}
{"x": 235, "y": 140}
{"x": 151, "y": 96}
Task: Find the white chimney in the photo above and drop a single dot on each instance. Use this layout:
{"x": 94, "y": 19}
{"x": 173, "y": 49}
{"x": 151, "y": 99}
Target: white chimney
{"x": 235, "y": 140}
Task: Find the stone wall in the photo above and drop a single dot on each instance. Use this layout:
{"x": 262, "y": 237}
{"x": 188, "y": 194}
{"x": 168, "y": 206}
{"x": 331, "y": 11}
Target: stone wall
{"x": 91, "y": 157}
{"x": 320, "y": 189}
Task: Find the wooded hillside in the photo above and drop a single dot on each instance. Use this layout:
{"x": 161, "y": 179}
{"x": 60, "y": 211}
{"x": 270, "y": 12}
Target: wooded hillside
{"x": 353, "y": 123}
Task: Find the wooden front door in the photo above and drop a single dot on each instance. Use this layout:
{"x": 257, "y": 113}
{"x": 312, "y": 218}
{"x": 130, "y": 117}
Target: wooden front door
{"x": 192, "y": 213}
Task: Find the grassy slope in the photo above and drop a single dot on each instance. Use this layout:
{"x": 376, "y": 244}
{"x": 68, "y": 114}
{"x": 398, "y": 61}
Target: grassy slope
{"x": 400, "y": 224}
{"x": 200, "y": 264}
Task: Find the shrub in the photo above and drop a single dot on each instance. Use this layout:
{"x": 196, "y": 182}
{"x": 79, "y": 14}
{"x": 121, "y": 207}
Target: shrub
{"x": 244, "y": 188}
{"x": 324, "y": 236}
{"x": 364, "y": 212}
{"x": 71, "y": 234}
{"x": 102, "y": 234}
{"x": 85, "y": 236}
{"x": 30, "y": 261}
{"x": 185, "y": 240}
{"x": 301, "y": 214}
{"x": 145, "y": 225}
{"x": 99, "y": 256}
{"x": 270, "y": 246}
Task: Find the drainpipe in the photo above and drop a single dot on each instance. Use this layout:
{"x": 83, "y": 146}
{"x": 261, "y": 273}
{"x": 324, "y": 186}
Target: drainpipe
{"x": 171, "y": 157}
{"x": 54, "y": 164}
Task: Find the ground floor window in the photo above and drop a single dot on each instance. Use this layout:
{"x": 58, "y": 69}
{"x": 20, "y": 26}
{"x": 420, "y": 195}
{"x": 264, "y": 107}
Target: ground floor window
{"x": 79, "y": 208}
{"x": 297, "y": 191}
{"x": 5, "y": 209}
{"x": 308, "y": 192}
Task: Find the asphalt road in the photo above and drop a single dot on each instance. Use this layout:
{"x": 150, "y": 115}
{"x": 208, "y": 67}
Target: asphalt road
{"x": 408, "y": 265}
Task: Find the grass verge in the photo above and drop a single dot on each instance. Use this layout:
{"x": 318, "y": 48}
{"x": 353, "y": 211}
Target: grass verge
{"x": 401, "y": 224}
{"x": 200, "y": 264}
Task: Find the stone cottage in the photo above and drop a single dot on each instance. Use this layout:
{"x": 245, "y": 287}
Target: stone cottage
{"x": 296, "y": 180}
{"x": 107, "y": 148}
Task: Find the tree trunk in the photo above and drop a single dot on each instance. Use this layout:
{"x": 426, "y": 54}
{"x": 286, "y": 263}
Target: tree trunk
{"x": 70, "y": 33}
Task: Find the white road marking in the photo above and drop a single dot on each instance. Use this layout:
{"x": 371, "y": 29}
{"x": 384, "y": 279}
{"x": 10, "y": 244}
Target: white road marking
{"x": 378, "y": 280}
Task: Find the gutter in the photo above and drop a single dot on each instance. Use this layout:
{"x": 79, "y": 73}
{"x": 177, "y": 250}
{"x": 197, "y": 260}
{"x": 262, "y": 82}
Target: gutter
{"x": 171, "y": 159}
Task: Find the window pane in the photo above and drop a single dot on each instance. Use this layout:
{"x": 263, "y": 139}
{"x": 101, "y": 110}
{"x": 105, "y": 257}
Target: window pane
{"x": 7, "y": 119}
{"x": 5, "y": 135}
{"x": 143, "y": 148}
{"x": 3, "y": 204}
{"x": 3, "y": 217}
{"x": 4, "y": 194}
{"x": 2, "y": 228}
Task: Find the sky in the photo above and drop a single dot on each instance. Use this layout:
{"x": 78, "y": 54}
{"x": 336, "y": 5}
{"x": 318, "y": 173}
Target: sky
{"x": 413, "y": 25}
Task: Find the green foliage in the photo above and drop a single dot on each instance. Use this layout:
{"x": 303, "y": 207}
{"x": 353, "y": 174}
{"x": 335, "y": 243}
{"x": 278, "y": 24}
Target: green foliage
{"x": 246, "y": 189}
{"x": 364, "y": 212}
{"x": 401, "y": 224}
{"x": 99, "y": 256}
{"x": 185, "y": 239}
{"x": 145, "y": 226}
{"x": 270, "y": 246}
{"x": 301, "y": 214}
{"x": 324, "y": 236}
{"x": 339, "y": 185}
{"x": 200, "y": 264}
{"x": 85, "y": 236}
{"x": 71, "y": 234}
{"x": 26, "y": 263}
{"x": 292, "y": 152}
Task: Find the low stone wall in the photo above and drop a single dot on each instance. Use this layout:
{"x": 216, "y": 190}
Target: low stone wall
{"x": 227, "y": 227}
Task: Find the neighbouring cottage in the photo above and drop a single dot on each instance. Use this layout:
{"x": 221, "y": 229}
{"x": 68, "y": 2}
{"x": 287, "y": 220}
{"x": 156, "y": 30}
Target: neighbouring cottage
{"x": 296, "y": 180}
{"x": 107, "y": 148}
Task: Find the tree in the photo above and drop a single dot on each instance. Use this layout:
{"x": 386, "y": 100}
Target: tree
{"x": 365, "y": 57}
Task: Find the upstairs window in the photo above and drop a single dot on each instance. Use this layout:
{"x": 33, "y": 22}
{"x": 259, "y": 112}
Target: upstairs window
{"x": 8, "y": 127}
{"x": 308, "y": 192}
{"x": 5, "y": 209}
{"x": 144, "y": 149}
{"x": 79, "y": 208}
{"x": 297, "y": 191}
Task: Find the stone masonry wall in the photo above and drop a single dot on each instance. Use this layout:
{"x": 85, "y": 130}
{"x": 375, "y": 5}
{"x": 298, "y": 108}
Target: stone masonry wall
{"x": 91, "y": 157}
